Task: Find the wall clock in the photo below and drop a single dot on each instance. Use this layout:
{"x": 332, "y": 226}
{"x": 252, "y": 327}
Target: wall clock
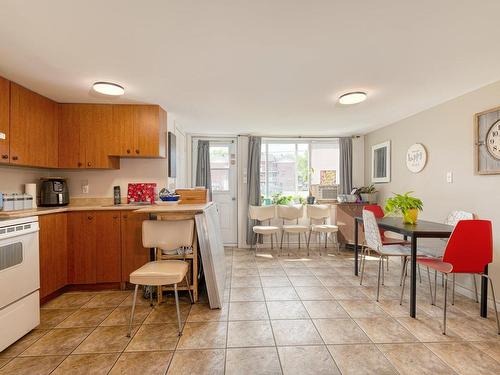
{"x": 487, "y": 142}
{"x": 416, "y": 157}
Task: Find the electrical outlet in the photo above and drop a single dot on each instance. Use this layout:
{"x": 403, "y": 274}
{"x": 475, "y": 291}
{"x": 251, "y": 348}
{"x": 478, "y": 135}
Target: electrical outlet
{"x": 85, "y": 187}
{"x": 449, "y": 177}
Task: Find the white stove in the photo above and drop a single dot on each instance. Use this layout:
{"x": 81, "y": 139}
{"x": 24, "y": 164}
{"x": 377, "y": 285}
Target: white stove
{"x": 19, "y": 278}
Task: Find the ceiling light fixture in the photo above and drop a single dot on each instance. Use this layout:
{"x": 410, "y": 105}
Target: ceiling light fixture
{"x": 352, "y": 97}
{"x": 108, "y": 88}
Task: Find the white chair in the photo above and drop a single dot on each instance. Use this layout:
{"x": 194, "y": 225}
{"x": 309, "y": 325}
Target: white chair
{"x": 374, "y": 242}
{"x": 292, "y": 214}
{"x": 319, "y": 216}
{"x": 164, "y": 235}
{"x": 263, "y": 214}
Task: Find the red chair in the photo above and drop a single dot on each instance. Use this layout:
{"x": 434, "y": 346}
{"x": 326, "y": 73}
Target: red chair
{"x": 468, "y": 251}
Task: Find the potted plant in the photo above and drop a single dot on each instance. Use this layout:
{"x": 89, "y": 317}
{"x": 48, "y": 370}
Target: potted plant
{"x": 368, "y": 194}
{"x": 406, "y": 205}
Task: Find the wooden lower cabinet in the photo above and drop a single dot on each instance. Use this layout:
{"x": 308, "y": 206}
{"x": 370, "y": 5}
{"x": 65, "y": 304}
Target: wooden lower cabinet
{"x": 53, "y": 253}
{"x": 108, "y": 246}
{"x": 134, "y": 255}
{"x": 82, "y": 247}
{"x": 89, "y": 247}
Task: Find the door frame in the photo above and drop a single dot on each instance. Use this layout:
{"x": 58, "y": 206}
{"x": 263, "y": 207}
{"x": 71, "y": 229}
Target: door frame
{"x": 193, "y": 139}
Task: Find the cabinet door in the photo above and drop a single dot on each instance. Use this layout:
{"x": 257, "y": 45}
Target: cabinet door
{"x": 53, "y": 253}
{"x": 123, "y": 120}
{"x": 71, "y": 152}
{"x": 4, "y": 120}
{"x": 82, "y": 247}
{"x": 134, "y": 255}
{"x": 108, "y": 246}
{"x": 99, "y": 136}
{"x": 34, "y": 123}
{"x": 147, "y": 130}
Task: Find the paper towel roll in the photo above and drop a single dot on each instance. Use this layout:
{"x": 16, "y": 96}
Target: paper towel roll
{"x": 31, "y": 190}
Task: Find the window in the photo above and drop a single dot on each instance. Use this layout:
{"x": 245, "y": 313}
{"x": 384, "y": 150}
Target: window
{"x": 219, "y": 168}
{"x": 292, "y": 169}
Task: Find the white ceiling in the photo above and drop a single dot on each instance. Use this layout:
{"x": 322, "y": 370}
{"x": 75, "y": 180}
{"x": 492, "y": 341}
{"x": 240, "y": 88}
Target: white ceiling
{"x": 259, "y": 66}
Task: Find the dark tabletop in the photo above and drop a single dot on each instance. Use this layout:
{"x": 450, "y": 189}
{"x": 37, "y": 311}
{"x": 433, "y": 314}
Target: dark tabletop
{"x": 421, "y": 228}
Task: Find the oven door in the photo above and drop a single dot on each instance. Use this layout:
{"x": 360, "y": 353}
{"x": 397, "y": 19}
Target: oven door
{"x": 19, "y": 265}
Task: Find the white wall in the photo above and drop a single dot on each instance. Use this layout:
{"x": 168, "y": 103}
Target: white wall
{"x": 12, "y": 179}
{"x": 447, "y": 132}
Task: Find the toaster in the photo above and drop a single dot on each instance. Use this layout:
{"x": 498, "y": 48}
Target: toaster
{"x": 54, "y": 192}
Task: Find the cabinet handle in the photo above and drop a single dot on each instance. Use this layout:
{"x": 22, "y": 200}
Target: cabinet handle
{"x": 15, "y": 158}
{"x": 125, "y": 217}
{"x": 115, "y": 217}
{"x": 90, "y": 217}
{"x": 5, "y": 156}
{"x": 89, "y": 164}
{"x": 137, "y": 151}
{"x": 79, "y": 164}
{"x": 128, "y": 151}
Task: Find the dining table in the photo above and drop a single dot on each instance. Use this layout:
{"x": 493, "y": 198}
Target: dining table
{"x": 421, "y": 229}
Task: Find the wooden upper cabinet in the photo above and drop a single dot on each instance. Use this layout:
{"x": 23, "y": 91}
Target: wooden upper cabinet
{"x": 4, "y": 120}
{"x": 143, "y": 130}
{"x": 34, "y": 124}
{"x": 87, "y": 137}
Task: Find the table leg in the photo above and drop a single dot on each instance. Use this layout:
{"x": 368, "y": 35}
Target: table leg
{"x": 356, "y": 248}
{"x": 484, "y": 294}
{"x": 413, "y": 276}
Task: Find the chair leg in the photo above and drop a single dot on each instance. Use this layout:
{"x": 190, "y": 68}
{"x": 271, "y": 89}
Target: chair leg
{"x": 405, "y": 267}
{"x": 445, "y": 301}
{"x": 494, "y": 303}
{"x": 299, "y": 240}
{"x": 435, "y": 285}
{"x": 188, "y": 288}
{"x": 133, "y": 311}
{"x": 272, "y": 244}
{"x": 177, "y": 308}
{"x": 430, "y": 285}
{"x": 387, "y": 263}
{"x": 362, "y": 266}
{"x": 308, "y": 241}
{"x": 383, "y": 272}
{"x": 253, "y": 240}
{"x": 288, "y": 242}
{"x": 453, "y": 290}
{"x": 337, "y": 243}
{"x": 380, "y": 266}
{"x": 475, "y": 287}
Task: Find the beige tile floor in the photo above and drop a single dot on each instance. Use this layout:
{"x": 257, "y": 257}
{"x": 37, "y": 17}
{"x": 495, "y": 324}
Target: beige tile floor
{"x": 287, "y": 315}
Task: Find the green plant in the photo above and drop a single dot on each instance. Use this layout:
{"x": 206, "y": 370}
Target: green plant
{"x": 367, "y": 189}
{"x": 401, "y": 203}
{"x": 278, "y": 198}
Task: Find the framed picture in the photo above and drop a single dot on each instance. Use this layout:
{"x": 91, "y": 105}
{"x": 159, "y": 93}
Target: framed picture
{"x": 381, "y": 162}
{"x": 487, "y": 141}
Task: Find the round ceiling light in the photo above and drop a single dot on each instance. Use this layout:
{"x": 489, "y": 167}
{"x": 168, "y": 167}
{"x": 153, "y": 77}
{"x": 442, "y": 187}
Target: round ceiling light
{"x": 108, "y": 88}
{"x": 352, "y": 97}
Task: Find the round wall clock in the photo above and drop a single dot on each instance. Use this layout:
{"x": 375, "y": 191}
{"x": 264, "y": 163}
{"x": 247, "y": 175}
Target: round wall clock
{"x": 493, "y": 140}
{"x": 416, "y": 157}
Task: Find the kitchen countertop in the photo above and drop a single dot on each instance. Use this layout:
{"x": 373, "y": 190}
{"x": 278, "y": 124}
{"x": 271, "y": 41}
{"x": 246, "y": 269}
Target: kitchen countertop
{"x": 139, "y": 208}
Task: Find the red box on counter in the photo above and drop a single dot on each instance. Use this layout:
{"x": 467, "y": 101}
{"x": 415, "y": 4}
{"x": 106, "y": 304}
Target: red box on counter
{"x": 141, "y": 193}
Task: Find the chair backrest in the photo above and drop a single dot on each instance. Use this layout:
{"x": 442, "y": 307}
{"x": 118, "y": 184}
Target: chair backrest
{"x": 318, "y": 211}
{"x": 372, "y": 232}
{"x": 261, "y": 213}
{"x": 455, "y": 216}
{"x": 167, "y": 234}
{"x": 470, "y": 247}
{"x": 376, "y": 209}
{"x": 294, "y": 212}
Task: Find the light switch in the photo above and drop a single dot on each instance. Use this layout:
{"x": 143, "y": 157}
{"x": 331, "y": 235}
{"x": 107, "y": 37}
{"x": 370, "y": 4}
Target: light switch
{"x": 449, "y": 177}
